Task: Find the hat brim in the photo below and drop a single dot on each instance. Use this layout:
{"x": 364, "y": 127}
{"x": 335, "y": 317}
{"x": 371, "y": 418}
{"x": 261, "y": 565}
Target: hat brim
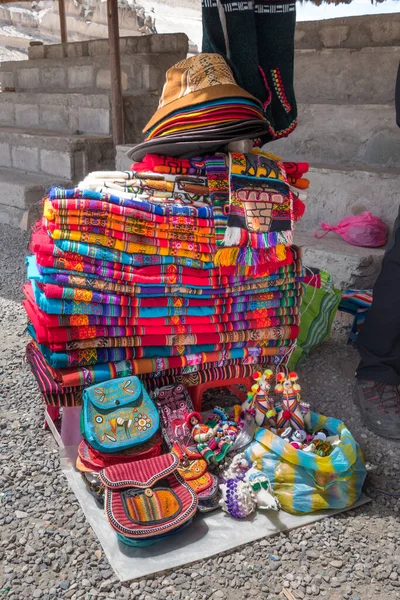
{"x": 216, "y": 130}
{"x": 215, "y": 92}
{"x": 187, "y": 147}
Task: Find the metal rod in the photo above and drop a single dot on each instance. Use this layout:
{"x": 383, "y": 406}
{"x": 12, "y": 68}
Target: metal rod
{"x": 117, "y": 110}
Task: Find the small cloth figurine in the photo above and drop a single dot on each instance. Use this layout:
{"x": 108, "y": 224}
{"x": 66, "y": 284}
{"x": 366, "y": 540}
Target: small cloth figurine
{"x": 298, "y": 438}
{"x": 228, "y": 430}
{"x": 211, "y": 447}
{"x": 262, "y": 490}
{"x": 258, "y": 401}
{"x": 238, "y": 467}
{"x": 245, "y": 489}
{"x": 291, "y": 414}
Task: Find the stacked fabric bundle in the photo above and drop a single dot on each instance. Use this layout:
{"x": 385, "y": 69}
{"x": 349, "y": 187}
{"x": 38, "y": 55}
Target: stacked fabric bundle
{"x": 202, "y": 109}
{"x": 136, "y": 273}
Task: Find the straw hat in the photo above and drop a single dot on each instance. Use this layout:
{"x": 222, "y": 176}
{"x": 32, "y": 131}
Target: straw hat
{"x": 200, "y": 78}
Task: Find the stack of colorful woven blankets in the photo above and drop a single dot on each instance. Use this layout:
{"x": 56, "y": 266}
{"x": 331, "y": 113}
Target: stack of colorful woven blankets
{"x": 181, "y": 270}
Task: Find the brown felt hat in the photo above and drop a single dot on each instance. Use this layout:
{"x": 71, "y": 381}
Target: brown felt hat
{"x": 195, "y": 80}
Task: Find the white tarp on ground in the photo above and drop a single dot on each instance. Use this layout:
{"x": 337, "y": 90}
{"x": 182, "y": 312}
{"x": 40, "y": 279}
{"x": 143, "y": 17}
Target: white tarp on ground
{"x": 206, "y": 536}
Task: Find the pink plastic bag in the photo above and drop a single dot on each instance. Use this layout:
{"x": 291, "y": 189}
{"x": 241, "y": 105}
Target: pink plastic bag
{"x": 360, "y": 230}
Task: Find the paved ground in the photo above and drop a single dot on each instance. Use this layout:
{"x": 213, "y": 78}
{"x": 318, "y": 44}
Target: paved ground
{"x": 48, "y": 551}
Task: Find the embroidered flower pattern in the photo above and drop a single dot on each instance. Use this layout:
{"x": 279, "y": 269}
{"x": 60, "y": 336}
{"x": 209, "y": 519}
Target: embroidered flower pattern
{"x": 142, "y": 422}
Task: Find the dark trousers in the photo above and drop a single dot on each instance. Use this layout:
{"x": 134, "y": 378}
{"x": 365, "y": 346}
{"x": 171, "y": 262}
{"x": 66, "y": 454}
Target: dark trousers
{"x": 379, "y": 340}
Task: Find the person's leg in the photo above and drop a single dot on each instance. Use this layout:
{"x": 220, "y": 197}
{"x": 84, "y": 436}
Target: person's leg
{"x": 397, "y": 97}
{"x": 378, "y": 342}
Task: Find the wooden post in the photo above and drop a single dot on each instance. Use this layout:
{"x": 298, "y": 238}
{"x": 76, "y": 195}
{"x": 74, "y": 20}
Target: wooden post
{"x": 63, "y": 21}
{"x": 117, "y": 110}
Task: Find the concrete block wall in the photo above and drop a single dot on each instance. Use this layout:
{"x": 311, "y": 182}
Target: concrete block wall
{"x": 67, "y": 113}
{"x": 349, "y": 134}
{"x": 367, "y": 31}
{"x": 96, "y": 26}
{"x": 148, "y": 44}
{"x": 69, "y": 157}
{"x": 146, "y": 73}
{"x": 55, "y": 118}
{"x": 336, "y": 192}
{"x": 346, "y": 76}
{"x": 345, "y": 73}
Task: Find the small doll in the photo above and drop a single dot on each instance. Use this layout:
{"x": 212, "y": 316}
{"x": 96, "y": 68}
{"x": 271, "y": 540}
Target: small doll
{"x": 212, "y": 448}
{"x": 258, "y": 400}
{"x": 298, "y": 438}
{"x": 262, "y": 490}
{"x": 291, "y": 414}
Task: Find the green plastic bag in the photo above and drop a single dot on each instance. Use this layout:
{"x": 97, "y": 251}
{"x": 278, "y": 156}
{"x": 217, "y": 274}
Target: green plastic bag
{"x": 317, "y": 311}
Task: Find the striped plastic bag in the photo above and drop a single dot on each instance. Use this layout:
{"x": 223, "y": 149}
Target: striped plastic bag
{"x": 304, "y": 482}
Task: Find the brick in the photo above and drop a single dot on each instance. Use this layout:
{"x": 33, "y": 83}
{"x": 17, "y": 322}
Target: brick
{"x": 55, "y": 52}
{"x": 164, "y": 43}
{"x": 56, "y": 163}
{"x": 97, "y": 47}
{"x": 77, "y": 50}
{"x": 26, "y": 115}
{"x": 36, "y": 52}
{"x": 80, "y": 77}
{"x": 5, "y": 155}
{"x": 103, "y": 79}
{"x": 94, "y": 120}
{"x": 25, "y": 158}
{"x": 28, "y": 79}
{"x": 7, "y": 114}
{"x": 334, "y": 36}
{"x": 7, "y": 80}
{"x": 53, "y": 117}
{"x": 134, "y": 45}
{"x": 53, "y": 78}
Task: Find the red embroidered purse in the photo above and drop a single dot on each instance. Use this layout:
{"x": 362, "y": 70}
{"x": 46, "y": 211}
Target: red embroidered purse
{"x": 147, "y": 498}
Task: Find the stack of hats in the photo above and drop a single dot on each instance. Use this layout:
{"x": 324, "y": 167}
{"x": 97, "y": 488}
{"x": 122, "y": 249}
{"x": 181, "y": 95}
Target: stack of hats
{"x": 169, "y": 272}
{"x": 202, "y": 109}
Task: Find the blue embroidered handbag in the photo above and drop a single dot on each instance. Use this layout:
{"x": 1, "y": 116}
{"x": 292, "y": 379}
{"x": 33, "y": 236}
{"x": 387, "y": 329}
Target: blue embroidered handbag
{"x": 118, "y": 414}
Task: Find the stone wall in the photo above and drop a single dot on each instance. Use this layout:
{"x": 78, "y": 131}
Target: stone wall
{"x": 20, "y": 18}
{"x": 88, "y": 21}
{"x": 350, "y": 32}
